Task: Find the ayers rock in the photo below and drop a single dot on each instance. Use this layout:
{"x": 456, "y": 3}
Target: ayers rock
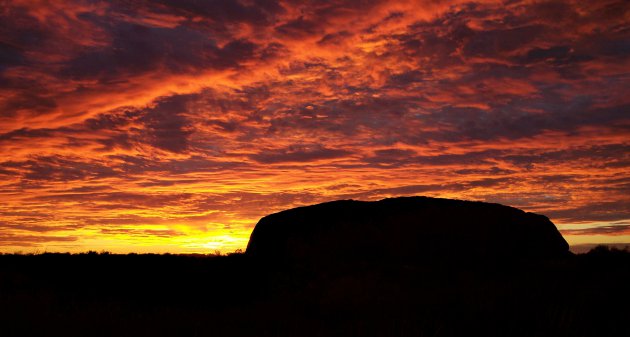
{"x": 404, "y": 230}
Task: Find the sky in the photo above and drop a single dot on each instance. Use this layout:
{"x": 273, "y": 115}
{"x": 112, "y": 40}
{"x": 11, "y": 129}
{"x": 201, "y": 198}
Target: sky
{"x": 174, "y": 125}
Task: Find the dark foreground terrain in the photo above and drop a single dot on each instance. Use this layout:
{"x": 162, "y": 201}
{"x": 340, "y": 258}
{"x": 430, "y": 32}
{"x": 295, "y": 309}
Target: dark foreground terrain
{"x": 169, "y": 295}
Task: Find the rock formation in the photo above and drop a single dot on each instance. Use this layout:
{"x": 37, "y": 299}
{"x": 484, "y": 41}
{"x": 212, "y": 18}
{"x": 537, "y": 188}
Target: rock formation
{"x": 406, "y": 230}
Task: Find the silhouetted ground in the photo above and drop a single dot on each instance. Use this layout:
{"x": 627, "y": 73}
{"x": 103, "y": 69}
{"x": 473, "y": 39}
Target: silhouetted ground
{"x": 170, "y": 295}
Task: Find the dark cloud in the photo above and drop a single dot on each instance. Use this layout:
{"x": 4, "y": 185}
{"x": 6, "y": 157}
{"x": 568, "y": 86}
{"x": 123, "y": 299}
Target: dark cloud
{"x": 491, "y": 182}
{"x": 514, "y": 121}
{"x": 257, "y": 12}
{"x": 271, "y": 51}
{"x": 32, "y": 240}
{"x": 138, "y": 200}
{"x": 139, "y": 165}
{"x": 433, "y": 42}
{"x": 391, "y": 156}
{"x": 417, "y": 189}
{"x": 614, "y": 210}
{"x": 470, "y": 158}
{"x": 493, "y": 43}
{"x": 166, "y": 125}
{"x": 493, "y": 171}
{"x": 420, "y": 189}
{"x": 298, "y": 153}
{"x": 334, "y": 38}
{"x": 600, "y": 156}
{"x": 57, "y": 168}
{"x": 137, "y": 49}
{"x": 300, "y": 28}
{"x": 617, "y": 229}
{"x": 35, "y": 103}
{"x": 253, "y": 204}
{"x": 36, "y": 228}
{"x": 9, "y": 56}
{"x": 112, "y": 121}
{"x": 19, "y": 33}
{"x": 162, "y": 125}
{"x": 398, "y": 158}
{"x": 26, "y": 133}
{"x": 556, "y": 54}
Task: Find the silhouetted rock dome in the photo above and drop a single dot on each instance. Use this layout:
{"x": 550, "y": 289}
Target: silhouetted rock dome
{"x": 404, "y": 230}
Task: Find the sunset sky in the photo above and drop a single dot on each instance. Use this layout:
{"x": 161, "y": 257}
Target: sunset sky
{"x": 174, "y": 125}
